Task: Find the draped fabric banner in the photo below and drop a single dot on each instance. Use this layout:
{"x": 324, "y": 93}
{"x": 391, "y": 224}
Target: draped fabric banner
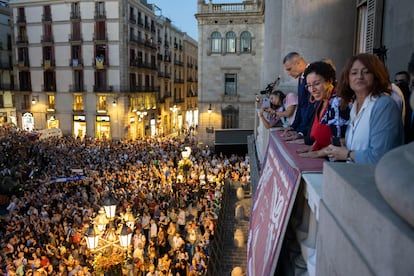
{"x": 272, "y": 205}
{"x": 99, "y": 61}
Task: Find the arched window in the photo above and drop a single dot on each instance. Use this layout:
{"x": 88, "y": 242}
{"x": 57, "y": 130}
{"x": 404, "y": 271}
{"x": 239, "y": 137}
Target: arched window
{"x": 215, "y": 42}
{"x": 230, "y": 42}
{"x": 245, "y": 42}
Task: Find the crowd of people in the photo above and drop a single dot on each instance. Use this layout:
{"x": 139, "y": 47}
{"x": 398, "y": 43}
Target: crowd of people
{"x": 357, "y": 118}
{"x": 65, "y": 180}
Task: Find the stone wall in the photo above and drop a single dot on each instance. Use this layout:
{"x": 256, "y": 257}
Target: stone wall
{"x": 359, "y": 233}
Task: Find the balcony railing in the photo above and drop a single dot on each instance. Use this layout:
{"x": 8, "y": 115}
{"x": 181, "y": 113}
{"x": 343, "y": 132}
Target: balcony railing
{"x": 22, "y": 39}
{"x": 145, "y": 65}
{"x": 100, "y": 14}
{"x": 47, "y": 38}
{"x": 49, "y": 88}
{"x": 75, "y": 15}
{"x": 77, "y": 87}
{"x": 23, "y": 64}
{"x": 100, "y": 37}
{"x": 46, "y": 17}
{"x": 132, "y": 18}
{"x": 164, "y": 75}
{"x": 48, "y": 63}
{"x": 75, "y": 38}
{"x": 138, "y": 88}
{"x": 178, "y": 80}
{"x": 21, "y": 19}
{"x": 76, "y": 62}
{"x": 25, "y": 87}
{"x": 102, "y": 88}
{"x": 178, "y": 63}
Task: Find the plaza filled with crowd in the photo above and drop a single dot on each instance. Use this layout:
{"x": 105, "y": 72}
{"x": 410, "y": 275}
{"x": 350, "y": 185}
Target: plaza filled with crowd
{"x": 63, "y": 182}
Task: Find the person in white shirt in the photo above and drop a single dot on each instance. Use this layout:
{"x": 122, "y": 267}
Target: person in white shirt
{"x": 375, "y": 121}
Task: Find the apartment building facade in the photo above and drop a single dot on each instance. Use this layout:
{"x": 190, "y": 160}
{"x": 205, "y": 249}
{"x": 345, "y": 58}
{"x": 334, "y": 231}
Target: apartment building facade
{"x": 7, "y": 109}
{"x": 103, "y": 69}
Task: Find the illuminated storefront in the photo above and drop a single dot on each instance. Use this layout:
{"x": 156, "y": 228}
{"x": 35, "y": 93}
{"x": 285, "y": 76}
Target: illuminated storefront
{"x": 103, "y": 127}
{"x": 79, "y": 126}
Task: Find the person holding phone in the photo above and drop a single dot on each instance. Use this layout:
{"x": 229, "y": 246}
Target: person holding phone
{"x": 330, "y": 121}
{"x": 273, "y": 107}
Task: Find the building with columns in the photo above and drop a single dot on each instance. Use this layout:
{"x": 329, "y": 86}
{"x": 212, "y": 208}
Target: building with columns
{"x": 105, "y": 69}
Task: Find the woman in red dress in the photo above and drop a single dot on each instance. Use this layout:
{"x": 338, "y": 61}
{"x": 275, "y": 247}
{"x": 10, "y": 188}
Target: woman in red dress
{"x": 330, "y": 121}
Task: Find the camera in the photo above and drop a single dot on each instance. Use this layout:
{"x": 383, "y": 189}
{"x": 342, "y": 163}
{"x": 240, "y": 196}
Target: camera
{"x": 271, "y": 86}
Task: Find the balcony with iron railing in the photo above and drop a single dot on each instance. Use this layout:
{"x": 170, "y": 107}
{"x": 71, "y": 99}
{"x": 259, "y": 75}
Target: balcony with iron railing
{"x": 75, "y": 15}
{"x": 48, "y": 63}
{"x": 47, "y": 39}
{"x": 49, "y": 88}
{"x": 75, "y": 37}
{"x": 100, "y": 14}
{"x": 178, "y": 62}
{"x": 164, "y": 75}
{"x": 132, "y": 19}
{"x": 46, "y": 17}
{"x": 25, "y": 86}
{"x": 136, "y": 39}
{"x": 140, "y": 22}
{"x": 76, "y": 62}
{"x": 149, "y": 43}
{"x": 102, "y": 88}
{"x": 146, "y": 89}
{"x": 100, "y": 37}
{"x": 144, "y": 65}
{"x": 21, "y": 19}
{"x": 167, "y": 58}
{"x": 77, "y": 87}
{"x": 23, "y": 64}
{"x": 22, "y": 39}
{"x": 178, "y": 80}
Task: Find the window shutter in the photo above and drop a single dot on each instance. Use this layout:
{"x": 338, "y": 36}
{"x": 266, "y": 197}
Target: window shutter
{"x": 370, "y": 26}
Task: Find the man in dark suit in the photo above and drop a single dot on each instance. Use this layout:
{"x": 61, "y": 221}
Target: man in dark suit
{"x": 295, "y": 65}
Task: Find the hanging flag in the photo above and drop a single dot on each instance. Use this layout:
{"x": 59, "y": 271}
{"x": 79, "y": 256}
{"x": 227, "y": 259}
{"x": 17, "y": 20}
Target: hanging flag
{"x": 99, "y": 62}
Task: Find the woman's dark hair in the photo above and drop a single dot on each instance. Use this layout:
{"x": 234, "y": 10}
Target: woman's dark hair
{"x": 323, "y": 69}
{"x": 374, "y": 66}
{"x": 282, "y": 97}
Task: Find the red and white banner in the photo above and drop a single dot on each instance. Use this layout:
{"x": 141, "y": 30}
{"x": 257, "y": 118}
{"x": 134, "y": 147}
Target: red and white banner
{"x": 272, "y": 205}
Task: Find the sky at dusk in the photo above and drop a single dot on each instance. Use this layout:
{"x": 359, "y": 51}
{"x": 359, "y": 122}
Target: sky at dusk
{"x": 181, "y": 13}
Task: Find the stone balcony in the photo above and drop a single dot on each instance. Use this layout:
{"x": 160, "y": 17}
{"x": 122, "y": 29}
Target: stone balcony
{"x": 340, "y": 223}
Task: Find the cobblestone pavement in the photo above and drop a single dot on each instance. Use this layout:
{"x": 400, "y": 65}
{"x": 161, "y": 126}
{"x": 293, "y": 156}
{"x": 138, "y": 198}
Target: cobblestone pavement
{"x": 233, "y": 252}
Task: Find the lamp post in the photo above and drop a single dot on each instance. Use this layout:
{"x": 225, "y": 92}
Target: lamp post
{"x": 105, "y": 241}
{"x": 209, "y": 128}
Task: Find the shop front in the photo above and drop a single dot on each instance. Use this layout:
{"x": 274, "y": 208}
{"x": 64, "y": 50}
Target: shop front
{"x": 103, "y": 127}
{"x": 79, "y": 126}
